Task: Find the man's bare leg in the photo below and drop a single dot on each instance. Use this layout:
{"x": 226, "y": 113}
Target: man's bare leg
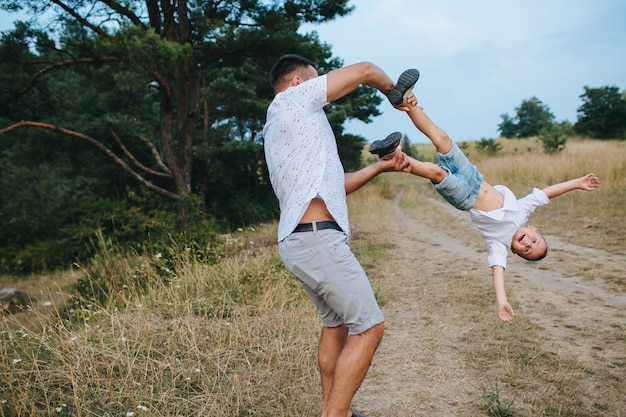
{"x": 341, "y": 380}
{"x": 332, "y": 341}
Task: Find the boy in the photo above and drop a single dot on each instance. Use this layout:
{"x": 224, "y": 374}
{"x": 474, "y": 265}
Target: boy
{"x": 494, "y": 210}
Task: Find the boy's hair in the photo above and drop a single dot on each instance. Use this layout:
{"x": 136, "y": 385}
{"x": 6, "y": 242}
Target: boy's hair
{"x": 538, "y": 257}
{"x": 287, "y": 64}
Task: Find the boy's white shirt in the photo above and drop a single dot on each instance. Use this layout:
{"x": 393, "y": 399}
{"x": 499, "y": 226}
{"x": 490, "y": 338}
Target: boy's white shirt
{"x": 301, "y": 155}
{"x": 498, "y": 226}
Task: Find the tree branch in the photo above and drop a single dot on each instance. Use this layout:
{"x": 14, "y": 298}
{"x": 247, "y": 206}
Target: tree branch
{"x": 80, "y": 19}
{"x": 136, "y": 162}
{"x": 124, "y": 11}
{"x": 155, "y": 153}
{"x": 61, "y": 64}
{"x": 138, "y": 177}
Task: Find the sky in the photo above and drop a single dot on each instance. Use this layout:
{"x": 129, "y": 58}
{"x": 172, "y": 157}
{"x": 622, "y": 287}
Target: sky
{"x": 480, "y": 59}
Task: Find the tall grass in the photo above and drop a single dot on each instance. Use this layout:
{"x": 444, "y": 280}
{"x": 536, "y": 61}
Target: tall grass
{"x": 213, "y": 340}
{"x": 521, "y": 165}
{"x": 238, "y": 337}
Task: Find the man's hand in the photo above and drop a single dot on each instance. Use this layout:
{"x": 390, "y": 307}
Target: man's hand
{"x": 397, "y": 161}
{"x": 588, "y": 182}
{"x": 411, "y": 100}
{"x": 505, "y": 311}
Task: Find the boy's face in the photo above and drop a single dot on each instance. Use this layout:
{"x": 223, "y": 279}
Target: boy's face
{"x": 528, "y": 243}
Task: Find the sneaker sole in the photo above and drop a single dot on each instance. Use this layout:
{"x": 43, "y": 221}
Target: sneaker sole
{"x": 403, "y": 88}
{"x": 386, "y": 146}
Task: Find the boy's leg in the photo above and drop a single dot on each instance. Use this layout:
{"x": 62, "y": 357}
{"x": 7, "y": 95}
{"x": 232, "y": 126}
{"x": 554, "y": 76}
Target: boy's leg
{"x": 437, "y": 136}
{"x": 427, "y": 170}
{"x": 403, "y": 87}
{"x": 386, "y": 147}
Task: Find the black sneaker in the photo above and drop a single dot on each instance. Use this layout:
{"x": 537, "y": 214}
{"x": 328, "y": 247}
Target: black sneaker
{"x": 405, "y": 84}
{"x": 387, "y": 146}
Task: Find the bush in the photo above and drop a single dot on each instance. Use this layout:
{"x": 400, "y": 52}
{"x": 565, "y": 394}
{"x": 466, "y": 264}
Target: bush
{"x": 488, "y": 146}
{"x": 554, "y": 137}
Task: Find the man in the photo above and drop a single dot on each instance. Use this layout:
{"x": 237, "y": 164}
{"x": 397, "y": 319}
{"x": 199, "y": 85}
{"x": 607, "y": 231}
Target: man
{"x": 313, "y": 231}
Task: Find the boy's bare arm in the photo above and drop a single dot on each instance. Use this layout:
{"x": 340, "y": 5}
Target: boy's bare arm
{"x": 505, "y": 311}
{"x": 587, "y": 182}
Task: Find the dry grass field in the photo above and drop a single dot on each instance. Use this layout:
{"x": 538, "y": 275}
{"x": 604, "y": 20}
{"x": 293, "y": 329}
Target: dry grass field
{"x": 238, "y": 338}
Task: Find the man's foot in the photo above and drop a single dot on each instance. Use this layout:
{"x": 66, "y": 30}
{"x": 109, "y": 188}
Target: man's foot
{"x": 386, "y": 147}
{"x": 357, "y": 415}
{"x": 403, "y": 88}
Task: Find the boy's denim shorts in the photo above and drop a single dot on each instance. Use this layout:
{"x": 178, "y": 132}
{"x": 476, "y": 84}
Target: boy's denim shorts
{"x": 333, "y": 279}
{"x": 462, "y": 184}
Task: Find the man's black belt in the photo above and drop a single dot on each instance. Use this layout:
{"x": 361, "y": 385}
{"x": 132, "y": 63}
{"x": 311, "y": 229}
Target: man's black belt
{"x": 322, "y": 225}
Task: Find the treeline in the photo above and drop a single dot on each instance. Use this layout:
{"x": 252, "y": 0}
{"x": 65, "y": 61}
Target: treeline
{"x": 143, "y": 122}
{"x": 602, "y": 115}
{"x": 137, "y": 123}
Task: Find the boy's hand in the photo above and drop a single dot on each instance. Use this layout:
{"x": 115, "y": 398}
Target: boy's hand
{"x": 588, "y": 182}
{"x": 505, "y": 311}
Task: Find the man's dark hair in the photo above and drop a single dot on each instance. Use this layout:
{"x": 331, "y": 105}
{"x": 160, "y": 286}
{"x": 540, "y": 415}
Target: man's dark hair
{"x": 286, "y": 64}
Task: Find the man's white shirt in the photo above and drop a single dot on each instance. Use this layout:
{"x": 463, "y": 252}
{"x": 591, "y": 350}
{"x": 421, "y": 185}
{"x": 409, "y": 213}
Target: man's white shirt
{"x": 301, "y": 155}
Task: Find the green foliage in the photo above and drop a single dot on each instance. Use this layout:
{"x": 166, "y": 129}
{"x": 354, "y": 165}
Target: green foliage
{"x": 144, "y": 48}
{"x": 112, "y": 272}
{"x": 407, "y": 148}
{"x": 488, "y": 146}
{"x": 602, "y": 114}
{"x": 495, "y": 406}
{"x": 154, "y": 103}
{"x": 531, "y": 116}
{"x": 350, "y": 148}
{"x": 109, "y": 273}
{"x": 554, "y": 137}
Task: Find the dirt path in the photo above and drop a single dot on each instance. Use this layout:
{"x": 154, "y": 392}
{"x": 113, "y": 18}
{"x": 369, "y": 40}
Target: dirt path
{"x": 422, "y": 366}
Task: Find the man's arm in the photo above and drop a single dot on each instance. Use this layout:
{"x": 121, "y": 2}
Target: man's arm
{"x": 343, "y": 81}
{"x": 587, "y": 182}
{"x": 505, "y": 311}
{"x": 357, "y": 179}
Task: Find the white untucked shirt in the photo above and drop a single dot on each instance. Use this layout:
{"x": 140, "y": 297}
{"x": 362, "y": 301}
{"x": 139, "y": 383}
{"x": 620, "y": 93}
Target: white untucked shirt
{"x": 499, "y": 226}
{"x": 301, "y": 155}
